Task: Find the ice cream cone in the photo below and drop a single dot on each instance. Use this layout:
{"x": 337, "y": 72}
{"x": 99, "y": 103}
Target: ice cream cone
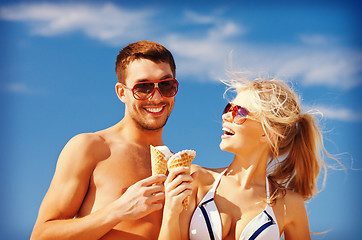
{"x": 182, "y": 159}
{"x": 158, "y": 161}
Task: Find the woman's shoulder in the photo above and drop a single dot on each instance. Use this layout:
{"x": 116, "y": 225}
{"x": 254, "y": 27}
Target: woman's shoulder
{"x": 195, "y": 167}
{"x": 290, "y": 210}
{"x": 292, "y": 206}
{"x": 293, "y": 199}
{"x": 205, "y": 176}
{"x": 290, "y": 200}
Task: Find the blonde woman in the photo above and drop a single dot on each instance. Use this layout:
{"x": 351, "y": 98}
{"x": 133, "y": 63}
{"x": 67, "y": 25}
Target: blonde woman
{"x": 261, "y": 194}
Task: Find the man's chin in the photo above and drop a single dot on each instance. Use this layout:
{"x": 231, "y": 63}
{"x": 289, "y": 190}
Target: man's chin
{"x": 152, "y": 126}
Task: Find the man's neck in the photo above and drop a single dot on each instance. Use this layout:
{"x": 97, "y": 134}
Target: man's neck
{"x": 138, "y": 135}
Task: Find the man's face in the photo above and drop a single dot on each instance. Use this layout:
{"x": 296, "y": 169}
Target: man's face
{"x": 151, "y": 113}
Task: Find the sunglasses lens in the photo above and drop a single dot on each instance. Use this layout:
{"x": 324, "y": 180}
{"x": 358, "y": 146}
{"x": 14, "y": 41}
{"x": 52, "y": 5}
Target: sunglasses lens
{"x": 227, "y": 108}
{"x": 241, "y": 114}
{"x": 168, "y": 88}
{"x": 143, "y": 90}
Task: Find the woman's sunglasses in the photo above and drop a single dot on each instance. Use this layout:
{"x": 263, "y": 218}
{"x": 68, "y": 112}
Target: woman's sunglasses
{"x": 144, "y": 90}
{"x": 239, "y": 113}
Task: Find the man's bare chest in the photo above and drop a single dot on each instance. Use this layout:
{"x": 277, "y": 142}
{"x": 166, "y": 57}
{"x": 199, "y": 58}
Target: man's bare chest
{"x": 121, "y": 170}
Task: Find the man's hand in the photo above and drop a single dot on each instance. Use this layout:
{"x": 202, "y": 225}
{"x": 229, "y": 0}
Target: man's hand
{"x": 142, "y": 198}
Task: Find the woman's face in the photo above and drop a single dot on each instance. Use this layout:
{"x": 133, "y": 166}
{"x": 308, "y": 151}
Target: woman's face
{"x": 247, "y": 137}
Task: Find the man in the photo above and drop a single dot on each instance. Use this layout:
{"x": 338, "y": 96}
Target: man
{"x": 102, "y": 186}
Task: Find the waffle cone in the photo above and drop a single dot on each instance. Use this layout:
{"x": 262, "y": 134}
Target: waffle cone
{"x": 158, "y": 161}
{"x": 182, "y": 159}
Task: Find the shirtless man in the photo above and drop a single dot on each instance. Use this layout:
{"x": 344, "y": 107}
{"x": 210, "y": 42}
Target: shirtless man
{"x": 102, "y": 186}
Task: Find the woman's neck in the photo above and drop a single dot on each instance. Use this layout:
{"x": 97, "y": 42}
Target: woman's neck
{"x": 249, "y": 170}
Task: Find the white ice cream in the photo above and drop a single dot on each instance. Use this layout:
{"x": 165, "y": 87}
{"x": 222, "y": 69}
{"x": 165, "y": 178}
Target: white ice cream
{"x": 165, "y": 151}
{"x": 178, "y": 155}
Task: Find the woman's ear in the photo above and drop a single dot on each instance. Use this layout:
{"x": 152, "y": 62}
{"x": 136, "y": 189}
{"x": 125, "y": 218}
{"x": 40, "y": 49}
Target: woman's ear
{"x": 265, "y": 137}
{"x": 120, "y": 92}
{"x": 269, "y": 136}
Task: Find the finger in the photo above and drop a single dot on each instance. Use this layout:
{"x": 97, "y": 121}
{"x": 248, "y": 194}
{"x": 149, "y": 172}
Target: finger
{"x": 175, "y": 172}
{"x": 153, "y": 189}
{"x": 156, "y": 207}
{"x": 153, "y": 179}
{"x": 178, "y": 198}
{"x": 186, "y": 193}
{"x": 174, "y": 184}
{"x": 195, "y": 175}
{"x": 177, "y": 181}
{"x": 180, "y": 189}
{"x": 157, "y": 197}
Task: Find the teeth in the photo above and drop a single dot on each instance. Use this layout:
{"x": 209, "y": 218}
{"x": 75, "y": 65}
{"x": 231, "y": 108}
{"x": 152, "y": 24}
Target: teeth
{"x": 227, "y": 130}
{"x": 154, "y": 109}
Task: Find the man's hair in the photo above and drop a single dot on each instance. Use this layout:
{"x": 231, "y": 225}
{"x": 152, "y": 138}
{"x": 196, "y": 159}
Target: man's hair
{"x": 142, "y": 50}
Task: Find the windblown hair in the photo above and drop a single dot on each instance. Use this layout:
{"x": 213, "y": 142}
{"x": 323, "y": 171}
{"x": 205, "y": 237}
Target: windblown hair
{"x": 142, "y": 50}
{"x": 296, "y": 142}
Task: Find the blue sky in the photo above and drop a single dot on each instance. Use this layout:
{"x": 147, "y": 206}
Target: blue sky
{"x": 57, "y": 80}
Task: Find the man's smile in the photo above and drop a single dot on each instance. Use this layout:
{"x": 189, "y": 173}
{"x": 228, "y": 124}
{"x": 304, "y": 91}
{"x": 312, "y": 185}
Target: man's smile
{"x": 154, "y": 109}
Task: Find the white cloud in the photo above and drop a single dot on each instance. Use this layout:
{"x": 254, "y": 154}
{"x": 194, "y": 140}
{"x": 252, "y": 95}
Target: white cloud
{"x": 225, "y": 30}
{"x": 198, "y": 57}
{"x": 334, "y": 67}
{"x": 341, "y": 114}
{"x": 219, "y": 27}
{"x": 19, "y": 88}
{"x": 105, "y": 22}
{"x": 317, "y": 39}
{"x": 197, "y": 18}
{"x": 203, "y": 46}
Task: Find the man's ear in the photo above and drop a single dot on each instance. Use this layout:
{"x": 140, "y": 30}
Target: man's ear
{"x": 120, "y": 92}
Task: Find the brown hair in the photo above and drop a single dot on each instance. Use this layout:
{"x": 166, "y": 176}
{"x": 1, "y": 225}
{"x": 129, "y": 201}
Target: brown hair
{"x": 295, "y": 139}
{"x": 139, "y": 50}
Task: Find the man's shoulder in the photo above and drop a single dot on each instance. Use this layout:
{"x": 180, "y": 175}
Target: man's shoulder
{"x": 87, "y": 139}
{"x": 88, "y": 144}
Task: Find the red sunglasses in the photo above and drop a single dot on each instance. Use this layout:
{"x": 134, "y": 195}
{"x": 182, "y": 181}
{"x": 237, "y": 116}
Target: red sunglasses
{"x": 239, "y": 113}
{"x": 145, "y": 90}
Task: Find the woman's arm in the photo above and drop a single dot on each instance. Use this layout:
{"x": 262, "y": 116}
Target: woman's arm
{"x": 177, "y": 187}
{"x": 297, "y": 225}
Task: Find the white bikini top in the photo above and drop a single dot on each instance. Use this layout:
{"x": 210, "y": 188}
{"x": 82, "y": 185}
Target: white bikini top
{"x": 206, "y": 222}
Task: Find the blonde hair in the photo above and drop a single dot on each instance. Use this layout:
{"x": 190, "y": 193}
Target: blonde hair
{"x": 295, "y": 139}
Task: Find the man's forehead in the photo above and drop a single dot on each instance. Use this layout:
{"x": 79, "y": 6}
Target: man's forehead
{"x": 147, "y": 70}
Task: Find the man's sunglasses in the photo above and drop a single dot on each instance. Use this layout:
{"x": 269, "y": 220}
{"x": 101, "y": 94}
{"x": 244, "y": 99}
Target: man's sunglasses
{"x": 145, "y": 90}
{"x": 239, "y": 113}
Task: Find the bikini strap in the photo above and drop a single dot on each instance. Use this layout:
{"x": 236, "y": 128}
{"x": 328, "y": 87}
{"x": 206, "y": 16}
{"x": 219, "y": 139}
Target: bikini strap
{"x": 267, "y": 187}
{"x": 217, "y": 181}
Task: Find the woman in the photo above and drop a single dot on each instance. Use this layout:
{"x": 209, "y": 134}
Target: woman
{"x": 275, "y": 168}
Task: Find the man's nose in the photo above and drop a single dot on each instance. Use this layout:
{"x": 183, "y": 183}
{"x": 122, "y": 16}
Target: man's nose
{"x": 156, "y": 96}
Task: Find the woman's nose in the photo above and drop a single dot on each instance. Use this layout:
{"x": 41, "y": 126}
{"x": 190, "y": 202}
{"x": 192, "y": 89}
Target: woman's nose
{"x": 227, "y": 116}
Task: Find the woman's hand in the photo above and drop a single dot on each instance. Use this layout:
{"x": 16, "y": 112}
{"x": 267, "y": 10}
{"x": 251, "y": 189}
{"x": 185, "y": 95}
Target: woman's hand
{"x": 177, "y": 187}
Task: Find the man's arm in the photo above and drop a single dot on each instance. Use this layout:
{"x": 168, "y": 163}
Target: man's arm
{"x": 69, "y": 187}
